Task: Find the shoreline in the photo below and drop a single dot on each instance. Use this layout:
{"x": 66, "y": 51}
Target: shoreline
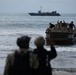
{"x": 64, "y": 71}
{"x": 70, "y": 70}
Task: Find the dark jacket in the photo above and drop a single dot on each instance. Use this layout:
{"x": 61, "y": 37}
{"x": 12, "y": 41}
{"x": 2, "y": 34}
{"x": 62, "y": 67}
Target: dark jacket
{"x": 45, "y": 57}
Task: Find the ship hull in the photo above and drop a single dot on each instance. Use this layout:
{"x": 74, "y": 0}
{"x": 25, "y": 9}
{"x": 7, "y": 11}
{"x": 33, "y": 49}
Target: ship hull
{"x": 60, "y": 41}
{"x": 44, "y": 14}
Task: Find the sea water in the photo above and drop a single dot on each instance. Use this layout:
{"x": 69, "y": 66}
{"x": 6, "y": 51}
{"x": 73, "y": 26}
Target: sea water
{"x": 14, "y": 25}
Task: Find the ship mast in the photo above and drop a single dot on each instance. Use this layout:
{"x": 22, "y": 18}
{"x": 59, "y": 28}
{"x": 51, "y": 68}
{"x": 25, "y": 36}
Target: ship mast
{"x": 41, "y": 8}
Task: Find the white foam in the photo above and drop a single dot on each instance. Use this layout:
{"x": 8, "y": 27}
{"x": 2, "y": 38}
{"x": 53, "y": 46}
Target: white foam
{"x": 65, "y": 49}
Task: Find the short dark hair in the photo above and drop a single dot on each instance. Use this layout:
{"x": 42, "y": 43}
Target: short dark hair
{"x": 21, "y": 41}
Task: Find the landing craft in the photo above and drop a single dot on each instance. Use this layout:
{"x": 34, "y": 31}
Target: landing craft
{"x": 61, "y": 34}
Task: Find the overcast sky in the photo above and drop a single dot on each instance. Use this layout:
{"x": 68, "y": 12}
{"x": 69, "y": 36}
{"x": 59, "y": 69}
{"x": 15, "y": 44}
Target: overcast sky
{"x": 25, "y": 6}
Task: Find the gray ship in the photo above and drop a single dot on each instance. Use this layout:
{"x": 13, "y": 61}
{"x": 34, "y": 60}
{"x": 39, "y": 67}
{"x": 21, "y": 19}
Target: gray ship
{"x": 53, "y": 13}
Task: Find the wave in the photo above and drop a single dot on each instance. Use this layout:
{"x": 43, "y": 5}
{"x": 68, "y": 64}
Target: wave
{"x": 66, "y": 48}
{"x": 21, "y": 32}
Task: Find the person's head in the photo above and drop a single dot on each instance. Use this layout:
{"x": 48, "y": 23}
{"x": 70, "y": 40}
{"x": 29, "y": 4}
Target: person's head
{"x": 23, "y": 42}
{"x": 49, "y": 23}
{"x": 71, "y": 22}
{"x": 61, "y": 22}
{"x": 39, "y": 41}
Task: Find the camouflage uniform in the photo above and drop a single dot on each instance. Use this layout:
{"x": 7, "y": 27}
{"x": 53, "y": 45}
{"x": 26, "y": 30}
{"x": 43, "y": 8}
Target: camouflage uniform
{"x": 10, "y": 60}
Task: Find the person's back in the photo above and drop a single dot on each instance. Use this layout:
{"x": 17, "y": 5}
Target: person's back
{"x": 44, "y": 65}
{"x": 21, "y": 65}
{"x": 44, "y": 57}
{"x": 20, "y": 62}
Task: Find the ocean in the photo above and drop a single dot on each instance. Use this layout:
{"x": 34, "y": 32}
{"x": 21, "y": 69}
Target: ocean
{"x": 14, "y": 25}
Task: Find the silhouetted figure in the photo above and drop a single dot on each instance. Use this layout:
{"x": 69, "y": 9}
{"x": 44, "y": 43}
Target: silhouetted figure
{"x": 51, "y": 25}
{"x": 20, "y": 62}
{"x": 60, "y": 24}
{"x": 71, "y": 25}
{"x": 63, "y": 24}
{"x": 44, "y": 57}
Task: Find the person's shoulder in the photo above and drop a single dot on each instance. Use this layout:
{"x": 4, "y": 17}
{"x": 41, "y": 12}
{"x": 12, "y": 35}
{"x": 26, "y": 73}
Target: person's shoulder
{"x": 35, "y": 50}
{"x": 10, "y": 56}
{"x": 30, "y": 49}
{"x": 45, "y": 49}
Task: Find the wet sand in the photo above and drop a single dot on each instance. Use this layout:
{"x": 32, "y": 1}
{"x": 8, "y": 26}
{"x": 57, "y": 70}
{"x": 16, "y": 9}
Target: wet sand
{"x": 64, "y": 71}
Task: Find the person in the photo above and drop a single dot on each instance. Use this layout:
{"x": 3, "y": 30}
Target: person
{"x": 71, "y": 25}
{"x": 21, "y": 61}
{"x": 60, "y": 25}
{"x": 58, "y": 22}
{"x": 44, "y": 57}
{"x": 63, "y": 24}
{"x": 51, "y": 25}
